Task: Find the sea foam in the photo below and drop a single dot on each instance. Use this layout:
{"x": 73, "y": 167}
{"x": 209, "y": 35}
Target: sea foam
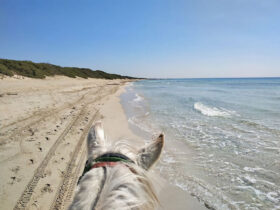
{"x": 138, "y": 98}
{"x": 211, "y": 111}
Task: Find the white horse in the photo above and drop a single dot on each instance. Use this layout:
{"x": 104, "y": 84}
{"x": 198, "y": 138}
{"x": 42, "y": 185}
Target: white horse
{"x": 116, "y": 176}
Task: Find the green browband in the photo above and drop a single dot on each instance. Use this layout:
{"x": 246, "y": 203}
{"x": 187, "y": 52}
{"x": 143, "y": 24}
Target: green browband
{"x": 111, "y": 159}
{"x": 108, "y": 157}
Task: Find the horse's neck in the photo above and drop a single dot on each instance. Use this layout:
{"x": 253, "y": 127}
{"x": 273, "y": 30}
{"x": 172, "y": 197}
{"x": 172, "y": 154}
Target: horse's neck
{"x": 110, "y": 188}
{"x": 88, "y": 189}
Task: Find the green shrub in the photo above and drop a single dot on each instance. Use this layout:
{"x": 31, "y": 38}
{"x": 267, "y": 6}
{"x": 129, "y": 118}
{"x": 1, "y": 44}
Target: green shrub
{"x": 5, "y": 70}
{"x": 41, "y": 70}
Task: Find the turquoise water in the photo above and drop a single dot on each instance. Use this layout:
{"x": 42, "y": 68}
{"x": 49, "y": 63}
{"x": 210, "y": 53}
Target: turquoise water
{"x": 222, "y": 136}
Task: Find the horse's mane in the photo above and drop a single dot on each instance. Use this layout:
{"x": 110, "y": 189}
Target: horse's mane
{"x": 125, "y": 190}
{"x": 124, "y": 187}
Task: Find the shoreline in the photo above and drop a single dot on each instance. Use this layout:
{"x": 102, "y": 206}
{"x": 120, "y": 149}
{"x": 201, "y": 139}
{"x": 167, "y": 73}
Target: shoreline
{"x": 43, "y": 127}
{"x": 170, "y": 196}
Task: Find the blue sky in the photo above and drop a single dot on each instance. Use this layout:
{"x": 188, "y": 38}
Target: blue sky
{"x": 148, "y": 38}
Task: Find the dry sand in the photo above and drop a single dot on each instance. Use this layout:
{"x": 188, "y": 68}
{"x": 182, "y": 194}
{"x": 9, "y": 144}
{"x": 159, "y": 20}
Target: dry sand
{"x": 43, "y": 127}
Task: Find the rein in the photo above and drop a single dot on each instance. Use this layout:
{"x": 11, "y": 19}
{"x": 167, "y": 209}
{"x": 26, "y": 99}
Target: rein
{"x": 107, "y": 159}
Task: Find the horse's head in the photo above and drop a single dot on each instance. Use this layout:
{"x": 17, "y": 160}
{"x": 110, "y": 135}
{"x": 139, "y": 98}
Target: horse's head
{"x": 116, "y": 175}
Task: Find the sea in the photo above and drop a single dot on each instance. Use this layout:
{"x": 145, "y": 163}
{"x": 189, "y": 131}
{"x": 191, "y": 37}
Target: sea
{"x": 222, "y": 136}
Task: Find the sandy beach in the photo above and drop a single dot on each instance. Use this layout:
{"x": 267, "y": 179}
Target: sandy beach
{"x": 43, "y": 127}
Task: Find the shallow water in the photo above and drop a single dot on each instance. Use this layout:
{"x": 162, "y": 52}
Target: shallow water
{"x": 223, "y": 136}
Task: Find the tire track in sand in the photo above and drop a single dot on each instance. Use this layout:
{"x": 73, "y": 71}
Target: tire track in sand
{"x": 70, "y": 177}
{"x": 69, "y": 182}
{"x": 28, "y": 191}
{"x": 44, "y": 114}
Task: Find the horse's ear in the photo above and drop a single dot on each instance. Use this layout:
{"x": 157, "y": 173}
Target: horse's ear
{"x": 148, "y": 155}
{"x": 95, "y": 137}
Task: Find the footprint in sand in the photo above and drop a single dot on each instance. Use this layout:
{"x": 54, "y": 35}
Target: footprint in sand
{"x": 47, "y": 188}
{"x": 14, "y": 179}
{"x": 15, "y": 169}
{"x": 31, "y": 131}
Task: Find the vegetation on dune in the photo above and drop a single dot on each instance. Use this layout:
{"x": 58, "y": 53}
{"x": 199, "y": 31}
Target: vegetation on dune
{"x": 41, "y": 70}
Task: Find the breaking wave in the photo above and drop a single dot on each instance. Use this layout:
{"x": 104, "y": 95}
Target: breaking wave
{"x": 212, "y": 111}
{"x": 138, "y": 98}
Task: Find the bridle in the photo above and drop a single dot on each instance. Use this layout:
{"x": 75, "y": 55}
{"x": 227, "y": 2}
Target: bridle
{"x": 106, "y": 160}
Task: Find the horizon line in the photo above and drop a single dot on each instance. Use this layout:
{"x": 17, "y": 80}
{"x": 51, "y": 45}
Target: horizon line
{"x": 266, "y": 77}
